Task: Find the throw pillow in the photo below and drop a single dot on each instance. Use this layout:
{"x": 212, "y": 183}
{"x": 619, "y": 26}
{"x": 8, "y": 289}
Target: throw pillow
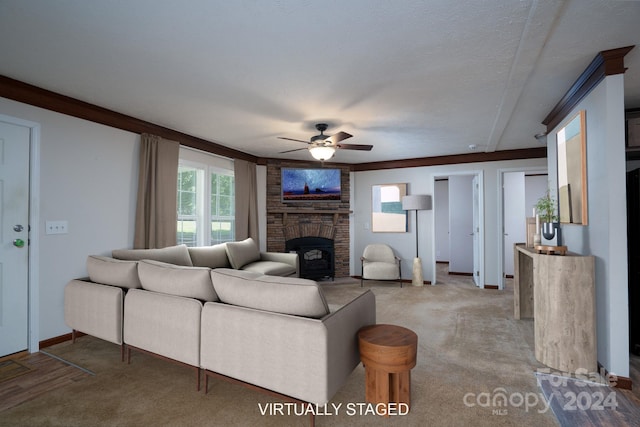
{"x": 178, "y": 255}
{"x": 190, "y": 282}
{"x": 287, "y": 295}
{"x": 209, "y": 256}
{"x": 242, "y": 253}
{"x": 114, "y": 272}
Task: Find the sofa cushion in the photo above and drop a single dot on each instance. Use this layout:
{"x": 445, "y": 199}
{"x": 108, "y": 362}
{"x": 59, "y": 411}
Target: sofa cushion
{"x": 209, "y": 256}
{"x": 191, "y": 282}
{"x": 271, "y": 268}
{"x": 114, "y": 272}
{"x": 178, "y": 255}
{"x": 287, "y": 295}
{"x": 242, "y": 253}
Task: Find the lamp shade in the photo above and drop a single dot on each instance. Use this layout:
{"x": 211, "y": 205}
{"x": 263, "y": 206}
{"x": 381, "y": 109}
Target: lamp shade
{"x": 416, "y": 202}
{"x": 322, "y": 152}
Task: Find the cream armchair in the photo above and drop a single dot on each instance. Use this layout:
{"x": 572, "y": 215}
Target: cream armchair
{"x": 380, "y": 263}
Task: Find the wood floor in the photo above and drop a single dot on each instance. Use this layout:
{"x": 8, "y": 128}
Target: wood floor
{"x": 585, "y": 403}
{"x": 46, "y": 374}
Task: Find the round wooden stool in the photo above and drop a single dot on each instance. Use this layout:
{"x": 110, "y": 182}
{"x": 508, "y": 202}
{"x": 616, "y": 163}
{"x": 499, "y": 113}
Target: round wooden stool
{"x": 388, "y": 353}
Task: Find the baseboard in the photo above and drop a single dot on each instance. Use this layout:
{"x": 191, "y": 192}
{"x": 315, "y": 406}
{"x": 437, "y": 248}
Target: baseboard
{"x": 491, "y": 287}
{"x": 442, "y": 262}
{"x": 454, "y": 273}
{"x": 57, "y": 340}
{"x": 620, "y": 382}
{"x": 424, "y": 282}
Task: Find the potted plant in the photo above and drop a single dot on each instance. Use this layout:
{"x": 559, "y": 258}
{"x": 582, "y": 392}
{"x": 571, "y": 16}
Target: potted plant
{"x": 546, "y": 209}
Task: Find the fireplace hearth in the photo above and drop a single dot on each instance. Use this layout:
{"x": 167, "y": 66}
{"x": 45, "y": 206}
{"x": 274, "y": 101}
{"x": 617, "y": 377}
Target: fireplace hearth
{"x": 316, "y": 256}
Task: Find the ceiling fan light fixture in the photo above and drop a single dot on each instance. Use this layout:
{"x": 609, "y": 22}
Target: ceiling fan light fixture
{"x": 322, "y": 152}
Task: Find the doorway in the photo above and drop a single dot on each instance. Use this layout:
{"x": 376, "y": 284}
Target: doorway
{"x": 19, "y": 144}
{"x": 459, "y": 226}
{"x": 521, "y": 188}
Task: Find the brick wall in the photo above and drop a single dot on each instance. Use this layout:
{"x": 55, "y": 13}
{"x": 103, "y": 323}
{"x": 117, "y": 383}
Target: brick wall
{"x": 318, "y": 219}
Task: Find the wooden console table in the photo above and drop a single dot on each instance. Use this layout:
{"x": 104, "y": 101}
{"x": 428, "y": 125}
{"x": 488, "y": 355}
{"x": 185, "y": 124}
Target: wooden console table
{"x": 558, "y": 291}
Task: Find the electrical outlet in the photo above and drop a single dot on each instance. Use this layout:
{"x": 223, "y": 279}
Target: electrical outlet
{"x": 56, "y": 227}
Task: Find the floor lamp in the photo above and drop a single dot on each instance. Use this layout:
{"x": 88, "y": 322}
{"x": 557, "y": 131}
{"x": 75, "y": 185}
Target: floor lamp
{"x": 417, "y": 202}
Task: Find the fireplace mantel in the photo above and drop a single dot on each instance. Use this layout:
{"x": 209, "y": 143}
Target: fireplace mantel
{"x": 311, "y": 211}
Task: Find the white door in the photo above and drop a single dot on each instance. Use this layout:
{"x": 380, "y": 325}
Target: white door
{"x": 476, "y": 231}
{"x": 14, "y": 237}
{"x": 513, "y": 193}
{"x": 461, "y": 249}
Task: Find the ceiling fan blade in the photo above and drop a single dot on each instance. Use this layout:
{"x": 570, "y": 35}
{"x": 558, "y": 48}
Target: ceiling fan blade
{"x": 362, "y": 147}
{"x": 340, "y": 136}
{"x": 290, "y": 151}
{"x": 291, "y": 139}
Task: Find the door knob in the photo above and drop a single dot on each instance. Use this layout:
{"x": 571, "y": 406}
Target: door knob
{"x": 18, "y": 228}
{"x": 18, "y": 243}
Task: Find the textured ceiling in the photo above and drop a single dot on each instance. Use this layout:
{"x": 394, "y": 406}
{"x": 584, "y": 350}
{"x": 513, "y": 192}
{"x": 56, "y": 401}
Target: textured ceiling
{"x": 414, "y": 78}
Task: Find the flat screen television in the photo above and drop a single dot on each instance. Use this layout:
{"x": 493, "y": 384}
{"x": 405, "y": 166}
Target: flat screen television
{"x": 311, "y": 185}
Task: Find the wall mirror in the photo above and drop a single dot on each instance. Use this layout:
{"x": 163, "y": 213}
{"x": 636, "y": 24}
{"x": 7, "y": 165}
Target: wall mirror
{"x": 572, "y": 171}
{"x": 387, "y": 215}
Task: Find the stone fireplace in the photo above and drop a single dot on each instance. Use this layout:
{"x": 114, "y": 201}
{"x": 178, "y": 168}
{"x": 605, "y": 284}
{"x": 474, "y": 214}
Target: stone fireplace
{"x": 318, "y": 231}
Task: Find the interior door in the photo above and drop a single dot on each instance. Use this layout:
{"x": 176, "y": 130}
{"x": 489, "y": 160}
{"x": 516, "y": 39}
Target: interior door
{"x": 14, "y": 237}
{"x": 461, "y": 235}
{"x": 476, "y": 231}
{"x": 513, "y": 193}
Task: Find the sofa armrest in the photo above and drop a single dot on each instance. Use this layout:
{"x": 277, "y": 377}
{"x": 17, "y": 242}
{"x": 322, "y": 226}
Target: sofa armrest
{"x": 285, "y": 257}
{"x": 343, "y": 326}
{"x": 94, "y": 309}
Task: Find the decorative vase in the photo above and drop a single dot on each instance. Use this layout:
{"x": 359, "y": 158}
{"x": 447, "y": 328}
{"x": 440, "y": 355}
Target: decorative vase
{"x": 549, "y": 230}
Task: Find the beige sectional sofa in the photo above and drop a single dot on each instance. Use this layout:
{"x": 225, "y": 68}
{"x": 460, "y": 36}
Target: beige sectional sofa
{"x": 276, "y": 333}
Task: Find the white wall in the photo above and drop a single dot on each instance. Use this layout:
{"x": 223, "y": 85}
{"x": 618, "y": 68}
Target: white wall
{"x": 461, "y": 224}
{"x": 606, "y": 235}
{"x": 441, "y": 214}
{"x": 88, "y": 176}
{"x": 420, "y": 180}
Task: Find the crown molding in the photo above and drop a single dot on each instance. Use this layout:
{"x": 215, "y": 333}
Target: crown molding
{"x": 606, "y": 63}
{"x": 36, "y": 96}
{"x": 494, "y": 156}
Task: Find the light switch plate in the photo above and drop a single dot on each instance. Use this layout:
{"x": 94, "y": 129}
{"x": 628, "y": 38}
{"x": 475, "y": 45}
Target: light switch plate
{"x": 56, "y": 227}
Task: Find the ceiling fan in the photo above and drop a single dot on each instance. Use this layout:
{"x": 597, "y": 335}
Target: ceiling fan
{"x": 322, "y": 147}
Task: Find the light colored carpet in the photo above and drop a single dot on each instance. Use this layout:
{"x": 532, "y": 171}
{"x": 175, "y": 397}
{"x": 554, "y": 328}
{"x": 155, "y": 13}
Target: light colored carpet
{"x": 470, "y": 350}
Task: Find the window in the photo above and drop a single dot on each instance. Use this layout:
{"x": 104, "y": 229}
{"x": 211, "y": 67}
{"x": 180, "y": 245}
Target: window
{"x": 206, "y": 204}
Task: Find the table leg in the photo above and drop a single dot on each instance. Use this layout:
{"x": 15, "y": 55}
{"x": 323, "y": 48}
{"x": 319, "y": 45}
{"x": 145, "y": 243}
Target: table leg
{"x": 400, "y": 388}
{"x": 378, "y": 387}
